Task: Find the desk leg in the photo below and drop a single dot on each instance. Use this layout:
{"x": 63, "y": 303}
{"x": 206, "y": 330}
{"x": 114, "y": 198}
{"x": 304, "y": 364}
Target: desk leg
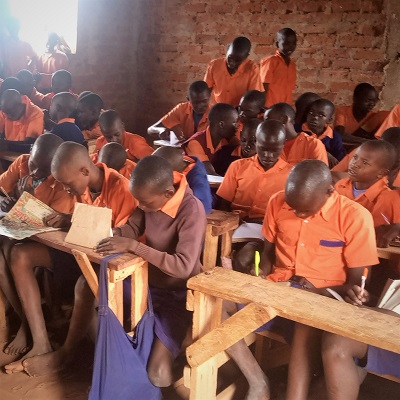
{"x": 115, "y": 298}
{"x": 210, "y": 249}
{"x": 226, "y": 244}
{"x": 140, "y": 291}
{"x": 3, "y": 321}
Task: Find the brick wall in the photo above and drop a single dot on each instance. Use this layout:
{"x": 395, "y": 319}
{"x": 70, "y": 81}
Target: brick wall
{"x": 140, "y": 55}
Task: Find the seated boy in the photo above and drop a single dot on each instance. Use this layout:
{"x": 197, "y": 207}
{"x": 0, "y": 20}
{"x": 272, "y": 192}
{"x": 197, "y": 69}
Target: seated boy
{"x": 319, "y": 117}
{"x": 174, "y": 222}
{"x": 251, "y": 105}
{"x": 186, "y": 118}
{"x": 113, "y": 130}
{"x": 230, "y": 76}
{"x": 62, "y": 111}
{"x": 298, "y": 146}
{"x": 20, "y": 120}
{"x": 368, "y": 170}
{"x": 87, "y": 114}
{"x": 28, "y": 87}
{"x": 302, "y": 105}
{"x": 114, "y": 156}
{"x": 194, "y": 171}
{"x": 346, "y": 361}
{"x": 359, "y": 121}
{"x": 220, "y": 132}
{"x": 94, "y": 184}
{"x": 61, "y": 81}
{"x": 278, "y": 72}
{"x": 301, "y": 227}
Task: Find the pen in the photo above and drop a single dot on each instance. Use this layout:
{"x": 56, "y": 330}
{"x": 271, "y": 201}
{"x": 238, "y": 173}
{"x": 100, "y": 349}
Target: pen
{"x": 5, "y": 193}
{"x": 257, "y": 263}
{"x": 363, "y": 280}
{"x": 385, "y": 218}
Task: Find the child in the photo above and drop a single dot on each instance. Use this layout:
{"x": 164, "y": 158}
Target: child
{"x": 347, "y": 361}
{"x": 173, "y": 221}
{"x": 113, "y": 130}
{"x": 88, "y": 111}
{"x": 392, "y": 120}
{"x": 368, "y": 170}
{"x": 92, "y": 184}
{"x": 359, "y": 121}
{"x": 302, "y": 105}
{"x": 186, "y": 118}
{"x": 114, "y": 156}
{"x": 20, "y": 120}
{"x": 298, "y": 146}
{"x": 230, "y": 76}
{"x": 28, "y": 87}
{"x": 251, "y": 105}
{"x": 278, "y": 72}
{"x": 221, "y": 130}
{"x": 194, "y": 171}
{"x": 301, "y": 226}
{"x": 62, "y": 111}
{"x": 319, "y": 117}
{"x": 61, "y": 81}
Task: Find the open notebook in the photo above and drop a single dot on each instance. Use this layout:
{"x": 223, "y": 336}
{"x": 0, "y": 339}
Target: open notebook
{"x": 390, "y": 298}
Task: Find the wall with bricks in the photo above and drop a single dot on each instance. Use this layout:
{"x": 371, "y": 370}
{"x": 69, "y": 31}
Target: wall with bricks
{"x": 140, "y": 55}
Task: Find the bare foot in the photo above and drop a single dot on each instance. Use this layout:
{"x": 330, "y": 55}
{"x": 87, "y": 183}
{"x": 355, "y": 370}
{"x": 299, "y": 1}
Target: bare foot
{"x": 17, "y": 366}
{"x": 260, "y": 391}
{"x": 19, "y": 345}
{"x": 47, "y": 363}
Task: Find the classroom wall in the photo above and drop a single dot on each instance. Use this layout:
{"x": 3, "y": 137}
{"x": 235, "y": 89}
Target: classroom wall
{"x": 140, "y": 55}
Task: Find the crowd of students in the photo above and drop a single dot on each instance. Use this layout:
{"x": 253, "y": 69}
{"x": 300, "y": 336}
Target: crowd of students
{"x": 318, "y": 224}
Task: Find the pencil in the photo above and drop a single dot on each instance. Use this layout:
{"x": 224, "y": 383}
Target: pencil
{"x": 363, "y": 280}
{"x": 385, "y": 218}
{"x": 257, "y": 263}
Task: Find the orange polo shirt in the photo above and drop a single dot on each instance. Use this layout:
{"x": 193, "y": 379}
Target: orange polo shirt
{"x": 369, "y": 198}
{"x": 52, "y": 62}
{"x": 194, "y": 148}
{"x": 31, "y": 124}
{"x": 49, "y": 191}
{"x": 328, "y": 132}
{"x": 320, "y": 248}
{"x": 248, "y": 187}
{"x": 343, "y": 165}
{"x": 182, "y": 115}
{"x": 227, "y": 88}
{"x": 114, "y": 194}
{"x": 393, "y": 119}
{"x": 135, "y": 145}
{"x": 304, "y": 147}
{"x": 372, "y": 121}
{"x": 93, "y": 133}
{"x": 127, "y": 169}
{"x": 388, "y": 204}
{"x": 171, "y": 207}
{"x": 281, "y": 79}
{"x": 16, "y": 55}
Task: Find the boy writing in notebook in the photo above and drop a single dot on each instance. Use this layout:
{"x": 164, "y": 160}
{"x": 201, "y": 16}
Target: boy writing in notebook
{"x": 186, "y": 118}
{"x": 278, "y": 72}
{"x": 113, "y": 130}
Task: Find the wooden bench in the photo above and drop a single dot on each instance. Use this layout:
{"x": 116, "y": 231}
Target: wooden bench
{"x": 264, "y": 300}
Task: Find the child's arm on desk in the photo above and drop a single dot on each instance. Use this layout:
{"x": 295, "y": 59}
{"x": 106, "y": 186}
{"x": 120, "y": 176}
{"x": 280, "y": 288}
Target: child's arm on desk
{"x": 58, "y": 220}
{"x": 386, "y": 233}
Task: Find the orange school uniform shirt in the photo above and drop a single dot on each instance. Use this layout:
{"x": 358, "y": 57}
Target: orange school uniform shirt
{"x": 248, "y": 187}
{"x": 31, "y": 124}
{"x": 52, "y": 62}
{"x": 393, "y": 119}
{"x": 125, "y": 171}
{"x": 16, "y": 56}
{"x": 36, "y": 97}
{"x": 227, "y": 88}
{"x": 135, "y": 145}
{"x": 321, "y": 247}
{"x": 304, "y": 147}
{"x": 93, "y": 133}
{"x": 281, "y": 79}
{"x": 182, "y": 115}
{"x": 343, "y": 165}
{"x": 49, "y": 191}
{"x": 114, "y": 194}
{"x": 388, "y": 206}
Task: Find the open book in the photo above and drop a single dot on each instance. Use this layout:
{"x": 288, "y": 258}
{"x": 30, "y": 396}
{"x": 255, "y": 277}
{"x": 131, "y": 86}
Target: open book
{"x": 390, "y": 297}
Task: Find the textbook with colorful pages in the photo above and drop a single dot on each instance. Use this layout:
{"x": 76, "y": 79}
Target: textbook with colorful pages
{"x": 25, "y": 219}
{"x": 390, "y": 297}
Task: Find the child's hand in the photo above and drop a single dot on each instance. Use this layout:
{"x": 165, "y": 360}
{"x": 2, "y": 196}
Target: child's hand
{"x": 386, "y": 233}
{"x": 58, "y": 220}
{"x": 24, "y": 185}
{"x": 353, "y": 296}
{"x": 7, "y": 204}
{"x": 113, "y": 245}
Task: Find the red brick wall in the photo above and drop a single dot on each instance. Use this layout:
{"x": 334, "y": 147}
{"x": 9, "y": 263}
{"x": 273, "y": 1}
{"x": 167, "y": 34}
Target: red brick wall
{"x": 140, "y": 56}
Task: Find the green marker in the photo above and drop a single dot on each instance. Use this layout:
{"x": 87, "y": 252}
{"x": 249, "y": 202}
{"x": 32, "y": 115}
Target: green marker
{"x": 257, "y": 263}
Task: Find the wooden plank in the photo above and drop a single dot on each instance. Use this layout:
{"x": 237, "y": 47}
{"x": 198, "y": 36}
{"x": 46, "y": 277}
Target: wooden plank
{"x": 203, "y": 381}
{"x": 88, "y": 271}
{"x": 210, "y": 249}
{"x": 358, "y": 323}
{"x": 9, "y": 155}
{"x": 222, "y": 221}
{"x": 140, "y": 290}
{"x": 235, "y": 328}
{"x": 226, "y": 244}
{"x": 389, "y": 253}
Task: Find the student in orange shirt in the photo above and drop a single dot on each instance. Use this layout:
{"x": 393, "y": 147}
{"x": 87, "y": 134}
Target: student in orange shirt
{"x": 231, "y": 76}
{"x": 278, "y": 72}
{"x": 61, "y": 81}
{"x": 301, "y": 226}
{"x": 302, "y": 105}
{"x": 28, "y": 87}
{"x": 93, "y": 184}
{"x": 113, "y": 130}
{"x": 298, "y": 146}
{"x": 220, "y": 132}
{"x": 392, "y": 120}
{"x": 88, "y": 111}
{"x": 368, "y": 170}
{"x": 20, "y": 120}
{"x": 359, "y": 122}
{"x": 114, "y": 156}
{"x": 186, "y": 118}
{"x": 251, "y": 105}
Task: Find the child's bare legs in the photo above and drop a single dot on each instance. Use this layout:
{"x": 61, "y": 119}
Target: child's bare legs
{"x": 342, "y": 376}
{"x": 24, "y": 258}
{"x": 159, "y": 366}
{"x": 243, "y": 357}
{"x": 304, "y": 358}
{"x": 81, "y": 321}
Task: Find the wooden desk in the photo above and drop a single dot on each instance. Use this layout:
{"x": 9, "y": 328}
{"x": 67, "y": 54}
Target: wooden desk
{"x": 389, "y": 253}
{"x": 264, "y": 300}
{"x": 10, "y": 156}
{"x": 119, "y": 268}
